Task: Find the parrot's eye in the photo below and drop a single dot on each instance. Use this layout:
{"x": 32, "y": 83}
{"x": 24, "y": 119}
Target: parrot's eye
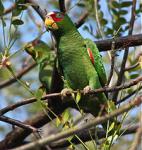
{"x": 48, "y": 17}
{"x": 59, "y": 15}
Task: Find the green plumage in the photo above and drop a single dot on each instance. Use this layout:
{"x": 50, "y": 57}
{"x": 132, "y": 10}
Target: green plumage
{"x": 75, "y": 63}
{"x": 42, "y": 55}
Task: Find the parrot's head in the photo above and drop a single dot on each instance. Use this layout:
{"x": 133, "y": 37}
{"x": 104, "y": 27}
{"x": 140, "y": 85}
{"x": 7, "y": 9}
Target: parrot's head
{"x": 37, "y": 49}
{"x": 29, "y": 48}
{"x": 58, "y": 21}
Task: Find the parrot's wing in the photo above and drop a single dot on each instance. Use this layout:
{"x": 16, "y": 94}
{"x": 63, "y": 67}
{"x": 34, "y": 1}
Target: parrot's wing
{"x": 96, "y": 60}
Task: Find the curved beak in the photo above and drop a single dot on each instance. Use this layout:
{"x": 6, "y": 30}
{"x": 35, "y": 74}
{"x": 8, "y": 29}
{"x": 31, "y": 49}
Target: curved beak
{"x": 50, "y": 24}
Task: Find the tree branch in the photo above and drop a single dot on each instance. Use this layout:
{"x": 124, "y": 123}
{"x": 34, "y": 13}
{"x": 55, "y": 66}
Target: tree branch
{"x": 112, "y": 58}
{"x": 37, "y": 121}
{"x": 8, "y": 10}
{"x": 121, "y": 42}
{"x": 128, "y": 96}
{"x": 137, "y": 139}
{"x": 132, "y": 67}
{"x": 62, "y": 6}
{"x": 81, "y": 20}
{"x": 100, "y": 90}
{"x": 76, "y": 129}
{"x": 85, "y": 136}
{"x": 18, "y": 76}
{"x": 37, "y": 8}
{"x": 18, "y": 123}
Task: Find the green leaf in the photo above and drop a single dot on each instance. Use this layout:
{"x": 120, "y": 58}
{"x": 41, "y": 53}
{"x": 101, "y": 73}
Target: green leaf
{"x": 17, "y": 21}
{"x": 80, "y": 4}
{"x": 134, "y": 75}
{"x": 78, "y": 97}
{"x": 115, "y": 4}
{"x": 126, "y": 4}
{"x": 86, "y": 28}
{"x": 123, "y": 12}
{"x": 58, "y": 121}
{"x": 3, "y": 22}
{"x": 103, "y": 22}
{"x": 112, "y": 138}
{"x": 66, "y": 116}
{"x": 111, "y": 127}
{"x": 16, "y": 12}
{"x": 122, "y": 20}
{"x": 115, "y": 12}
{"x": 101, "y": 14}
{"x": 111, "y": 106}
{"x": 1, "y": 8}
{"x": 109, "y": 31}
{"x": 39, "y": 94}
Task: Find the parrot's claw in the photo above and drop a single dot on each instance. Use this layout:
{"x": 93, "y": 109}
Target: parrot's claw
{"x": 66, "y": 92}
{"x": 87, "y": 89}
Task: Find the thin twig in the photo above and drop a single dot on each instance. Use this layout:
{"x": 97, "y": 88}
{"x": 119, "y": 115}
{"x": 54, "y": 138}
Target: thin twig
{"x": 17, "y": 123}
{"x": 37, "y": 9}
{"x": 62, "y": 6}
{"x": 98, "y": 20}
{"x": 124, "y": 60}
{"x": 112, "y": 63}
{"x": 100, "y": 90}
{"x": 10, "y": 9}
{"x": 132, "y": 67}
{"x": 18, "y": 76}
{"x": 128, "y": 96}
{"x": 137, "y": 140}
{"x": 76, "y": 129}
{"x": 81, "y": 20}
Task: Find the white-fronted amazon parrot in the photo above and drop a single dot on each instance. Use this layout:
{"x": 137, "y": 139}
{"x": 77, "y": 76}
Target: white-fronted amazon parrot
{"x": 79, "y": 60}
{"x": 43, "y": 56}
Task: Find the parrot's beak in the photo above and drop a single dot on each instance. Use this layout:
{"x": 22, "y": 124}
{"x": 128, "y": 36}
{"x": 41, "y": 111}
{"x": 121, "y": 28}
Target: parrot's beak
{"x": 50, "y": 24}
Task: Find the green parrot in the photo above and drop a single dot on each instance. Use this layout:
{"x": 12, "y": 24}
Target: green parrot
{"x": 80, "y": 61}
{"x": 43, "y": 56}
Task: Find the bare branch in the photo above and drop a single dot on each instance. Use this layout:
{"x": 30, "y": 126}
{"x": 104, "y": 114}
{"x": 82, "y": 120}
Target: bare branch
{"x": 121, "y": 42}
{"x": 81, "y": 20}
{"x": 128, "y": 96}
{"x": 112, "y": 63}
{"x": 76, "y": 129}
{"x": 62, "y": 6}
{"x": 85, "y": 136}
{"x": 37, "y": 9}
{"x": 8, "y": 10}
{"x": 17, "y": 123}
{"x": 137, "y": 139}
{"x": 100, "y": 90}
{"x": 124, "y": 60}
{"x": 37, "y": 121}
{"x": 132, "y": 67}
{"x": 18, "y": 76}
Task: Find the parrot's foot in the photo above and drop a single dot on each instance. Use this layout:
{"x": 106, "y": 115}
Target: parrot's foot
{"x": 87, "y": 89}
{"x": 66, "y": 92}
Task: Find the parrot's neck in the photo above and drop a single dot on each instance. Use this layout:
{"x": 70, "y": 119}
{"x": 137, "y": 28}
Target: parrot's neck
{"x": 68, "y": 38}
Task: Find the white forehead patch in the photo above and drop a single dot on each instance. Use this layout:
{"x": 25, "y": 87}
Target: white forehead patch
{"x": 50, "y": 13}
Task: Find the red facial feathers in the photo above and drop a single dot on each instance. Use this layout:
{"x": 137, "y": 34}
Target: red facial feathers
{"x": 57, "y": 17}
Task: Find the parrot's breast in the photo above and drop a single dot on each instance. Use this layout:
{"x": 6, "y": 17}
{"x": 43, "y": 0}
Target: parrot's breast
{"x": 75, "y": 67}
